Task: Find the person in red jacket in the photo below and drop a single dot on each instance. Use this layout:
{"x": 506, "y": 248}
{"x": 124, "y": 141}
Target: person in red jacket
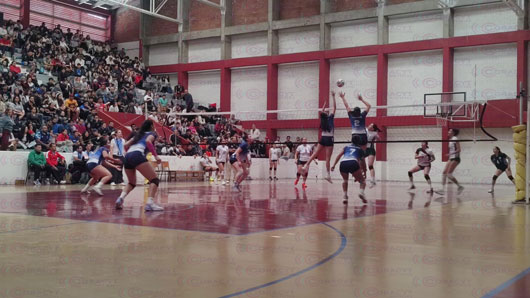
{"x": 55, "y": 164}
{"x": 14, "y": 68}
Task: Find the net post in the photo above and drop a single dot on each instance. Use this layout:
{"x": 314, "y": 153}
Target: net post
{"x": 527, "y": 151}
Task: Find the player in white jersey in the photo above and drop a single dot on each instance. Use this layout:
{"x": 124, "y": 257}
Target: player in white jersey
{"x": 221, "y": 157}
{"x": 274, "y": 159}
{"x": 372, "y": 132}
{"x": 302, "y": 156}
{"x": 454, "y": 161}
{"x": 425, "y": 157}
{"x": 327, "y": 127}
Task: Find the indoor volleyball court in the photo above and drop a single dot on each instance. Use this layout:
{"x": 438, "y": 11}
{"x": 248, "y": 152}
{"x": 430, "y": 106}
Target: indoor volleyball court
{"x": 264, "y": 149}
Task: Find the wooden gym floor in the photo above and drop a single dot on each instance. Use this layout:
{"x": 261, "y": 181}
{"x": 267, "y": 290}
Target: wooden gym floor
{"x": 272, "y": 240}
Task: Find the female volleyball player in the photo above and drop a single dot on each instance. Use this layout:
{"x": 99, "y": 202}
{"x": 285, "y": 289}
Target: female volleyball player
{"x": 135, "y": 159}
{"x": 357, "y": 120}
{"x": 373, "y": 136}
{"x": 454, "y": 161}
{"x": 274, "y": 159}
{"x": 221, "y": 157}
{"x": 502, "y": 163}
{"x": 327, "y": 125}
{"x": 425, "y": 156}
{"x": 241, "y": 162}
{"x": 302, "y": 156}
{"x": 96, "y": 166}
{"x": 352, "y": 162}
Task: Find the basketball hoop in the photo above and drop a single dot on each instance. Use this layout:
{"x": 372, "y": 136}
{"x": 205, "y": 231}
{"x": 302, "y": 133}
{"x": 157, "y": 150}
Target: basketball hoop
{"x": 442, "y": 119}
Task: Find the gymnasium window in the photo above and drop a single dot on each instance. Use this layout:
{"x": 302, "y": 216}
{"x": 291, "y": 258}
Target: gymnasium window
{"x": 68, "y": 17}
{"x": 11, "y": 9}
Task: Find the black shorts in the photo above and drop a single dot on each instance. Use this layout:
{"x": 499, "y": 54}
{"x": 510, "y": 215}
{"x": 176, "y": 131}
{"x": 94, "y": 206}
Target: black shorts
{"x": 502, "y": 168}
{"x": 457, "y": 159}
{"x": 91, "y": 165}
{"x": 349, "y": 166}
{"x": 301, "y": 163}
{"x": 423, "y": 167}
{"x": 326, "y": 141}
{"x": 369, "y": 151}
{"x": 134, "y": 159}
{"x": 363, "y": 139}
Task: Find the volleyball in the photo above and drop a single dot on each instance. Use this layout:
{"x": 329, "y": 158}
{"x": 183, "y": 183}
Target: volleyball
{"x": 340, "y": 83}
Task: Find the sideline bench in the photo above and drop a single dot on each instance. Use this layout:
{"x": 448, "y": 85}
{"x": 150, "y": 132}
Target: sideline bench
{"x": 189, "y": 175}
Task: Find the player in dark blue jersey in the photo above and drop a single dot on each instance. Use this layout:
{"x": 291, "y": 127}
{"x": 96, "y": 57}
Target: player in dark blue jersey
{"x": 327, "y": 127}
{"x": 352, "y": 162}
{"x": 242, "y": 161}
{"x": 97, "y": 167}
{"x": 502, "y": 163}
{"x": 357, "y": 120}
{"x": 135, "y": 159}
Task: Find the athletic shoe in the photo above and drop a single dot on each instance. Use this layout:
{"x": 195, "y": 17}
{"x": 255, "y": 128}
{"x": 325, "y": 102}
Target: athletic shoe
{"x": 119, "y": 204}
{"x": 86, "y": 189}
{"x": 304, "y": 186}
{"x": 345, "y": 200}
{"x": 519, "y": 202}
{"x": 223, "y": 182}
{"x": 153, "y": 207}
{"x": 113, "y": 184}
{"x": 97, "y": 190}
{"x": 296, "y": 182}
{"x": 412, "y": 187}
{"x": 36, "y": 182}
{"x": 372, "y": 184}
{"x": 490, "y": 191}
{"x": 430, "y": 191}
{"x": 123, "y": 184}
{"x": 460, "y": 189}
{"x": 235, "y": 189}
{"x": 363, "y": 198}
{"x": 211, "y": 179}
{"x": 328, "y": 179}
{"x": 62, "y": 182}
{"x": 440, "y": 192}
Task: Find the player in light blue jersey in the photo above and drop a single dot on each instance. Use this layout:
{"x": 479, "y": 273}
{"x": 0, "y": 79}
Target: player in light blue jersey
{"x": 352, "y": 162}
{"x": 357, "y": 120}
{"x": 97, "y": 167}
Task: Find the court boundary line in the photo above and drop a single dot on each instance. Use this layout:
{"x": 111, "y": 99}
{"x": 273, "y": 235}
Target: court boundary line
{"x": 507, "y": 283}
{"x": 343, "y": 243}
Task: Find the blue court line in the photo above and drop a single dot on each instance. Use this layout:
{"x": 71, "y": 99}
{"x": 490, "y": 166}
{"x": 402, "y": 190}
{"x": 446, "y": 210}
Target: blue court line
{"x": 321, "y": 262}
{"x": 506, "y": 284}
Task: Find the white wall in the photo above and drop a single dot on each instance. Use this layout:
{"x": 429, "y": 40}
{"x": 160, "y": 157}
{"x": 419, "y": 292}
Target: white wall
{"x": 298, "y": 89}
{"x": 249, "y": 92}
{"x": 360, "y": 77}
{"x": 410, "y": 76}
{"x": 163, "y": 54}
{"x": 249, "y": 45}
{"x": 205, "y": 87}
{"x": 412, "y": 28}
{"x": 305, "y": 39}
{"x": 353, "y": 34}
{"x": 484, "y": 19}
{"x": 208, "y": 49}
{"x": 132, "y": 48}
{"x": 496, "y": 71}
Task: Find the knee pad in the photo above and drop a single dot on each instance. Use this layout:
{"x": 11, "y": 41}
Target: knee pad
{"x": 155, "y": 181}
{"x": 410, "y": 174}
{"x": 370, "y": 167}
{"x": 270, "y": 169}
{"x": 510, "y": 177}
{"x": 427, "y": 177}
{"x": 132, "y": 185}
{"x": 495, "y": 177}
